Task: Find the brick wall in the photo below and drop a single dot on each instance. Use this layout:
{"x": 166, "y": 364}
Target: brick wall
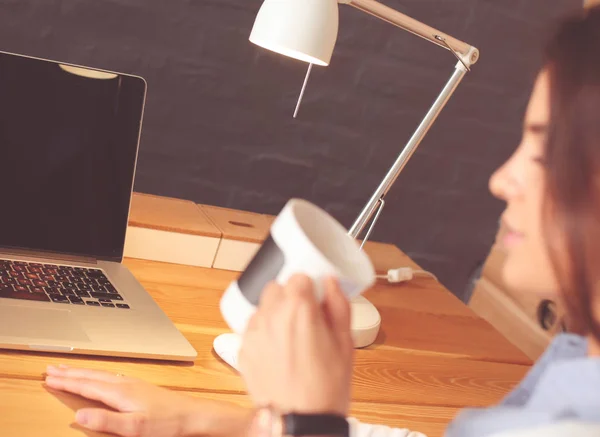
{"x": 219, "y": 130}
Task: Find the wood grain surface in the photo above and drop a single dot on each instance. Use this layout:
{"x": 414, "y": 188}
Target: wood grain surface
{"x": 432, "y": 357}
{"x": 239, "y": 225}
{"x": 171, "y": 215}
{"x": 52, "y": 414}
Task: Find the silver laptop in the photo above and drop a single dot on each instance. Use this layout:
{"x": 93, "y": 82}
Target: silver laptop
{"x": 68, "y": 146}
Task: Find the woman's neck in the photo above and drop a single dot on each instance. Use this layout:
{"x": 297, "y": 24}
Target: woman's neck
{"x": 593, "y": 346}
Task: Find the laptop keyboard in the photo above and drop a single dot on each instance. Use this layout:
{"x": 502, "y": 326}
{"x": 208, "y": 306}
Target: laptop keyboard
{"x": 58, "y": 284}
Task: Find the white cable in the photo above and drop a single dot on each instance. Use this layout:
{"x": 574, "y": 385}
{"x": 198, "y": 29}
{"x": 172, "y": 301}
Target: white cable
{"x": 426, "y": 273}
{"x": 404, "y": 274}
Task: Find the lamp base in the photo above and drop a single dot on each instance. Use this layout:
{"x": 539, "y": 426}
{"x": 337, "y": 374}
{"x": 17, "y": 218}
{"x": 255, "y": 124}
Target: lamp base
{"x": 365, "y": 322}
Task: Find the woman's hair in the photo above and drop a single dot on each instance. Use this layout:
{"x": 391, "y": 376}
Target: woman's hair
{"x": 572, "y": 160}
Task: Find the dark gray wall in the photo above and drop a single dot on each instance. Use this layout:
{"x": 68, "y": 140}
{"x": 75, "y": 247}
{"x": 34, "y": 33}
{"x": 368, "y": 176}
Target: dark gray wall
{"x": 218, "y": 126}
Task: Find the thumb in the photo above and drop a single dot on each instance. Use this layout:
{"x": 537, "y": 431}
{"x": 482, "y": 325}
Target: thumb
{"x": 336, "y": 309}
{"x": 121, "y": 424}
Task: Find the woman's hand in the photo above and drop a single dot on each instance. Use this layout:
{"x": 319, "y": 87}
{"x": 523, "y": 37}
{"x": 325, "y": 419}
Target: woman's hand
{"x": 139, "y": 409}
{"x": 297, "y": 353}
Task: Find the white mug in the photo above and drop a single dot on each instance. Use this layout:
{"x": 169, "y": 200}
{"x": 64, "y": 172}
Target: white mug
{"x": 303, "y": 239}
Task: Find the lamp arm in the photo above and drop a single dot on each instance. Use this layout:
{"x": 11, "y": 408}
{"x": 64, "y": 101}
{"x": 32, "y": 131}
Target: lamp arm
{"x": 467, "y": 53}
{"x": 376, "y": 200}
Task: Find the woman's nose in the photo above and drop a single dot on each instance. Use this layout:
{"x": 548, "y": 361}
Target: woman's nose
{"x": 496, "y": 183}
{"x": 503, "y": 184}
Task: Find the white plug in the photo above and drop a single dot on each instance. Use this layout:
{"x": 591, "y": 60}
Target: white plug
{"x": 403, "y": 274}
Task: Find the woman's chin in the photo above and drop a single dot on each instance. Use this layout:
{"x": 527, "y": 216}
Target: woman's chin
{"x": 520, "y": 276}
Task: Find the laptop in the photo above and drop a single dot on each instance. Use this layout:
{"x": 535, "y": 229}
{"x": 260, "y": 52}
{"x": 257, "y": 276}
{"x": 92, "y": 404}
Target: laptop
{"x": 69, "y": 138}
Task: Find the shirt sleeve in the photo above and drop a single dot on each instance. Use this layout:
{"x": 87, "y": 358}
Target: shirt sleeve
{"x": 358, "y": 429}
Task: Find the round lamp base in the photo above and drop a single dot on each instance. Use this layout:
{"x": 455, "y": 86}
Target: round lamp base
{"x": 365, "y": 323}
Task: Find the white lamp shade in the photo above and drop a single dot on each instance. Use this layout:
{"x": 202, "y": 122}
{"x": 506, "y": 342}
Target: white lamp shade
{"x": 301, "y": 29}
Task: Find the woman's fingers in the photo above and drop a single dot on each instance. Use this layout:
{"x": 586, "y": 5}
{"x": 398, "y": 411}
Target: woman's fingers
{"x": 300, "y": 290}
{"x": 74, "y": 372}
{"x": 337, "y": 313}
{"x": 300, "y": 284}
{"x": 279, "y": 305}
{"x": 105, "y": 392}
{"x": 336, "y": 306}
{"x": 121, "y": 424}
{"x": 293, "y": 357}
{"x": 271, "y": 298}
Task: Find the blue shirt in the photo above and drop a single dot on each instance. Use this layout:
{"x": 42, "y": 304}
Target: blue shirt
{"x": 563, "y": 384}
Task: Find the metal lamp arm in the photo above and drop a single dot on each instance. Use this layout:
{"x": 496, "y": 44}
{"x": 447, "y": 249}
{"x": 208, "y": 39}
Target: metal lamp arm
{"x": 376, "y": 202}
{"x": 466, "y": 53}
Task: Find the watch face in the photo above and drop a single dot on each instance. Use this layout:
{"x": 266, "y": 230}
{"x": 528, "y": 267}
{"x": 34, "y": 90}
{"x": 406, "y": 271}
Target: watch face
{"x": 268, "y": 423}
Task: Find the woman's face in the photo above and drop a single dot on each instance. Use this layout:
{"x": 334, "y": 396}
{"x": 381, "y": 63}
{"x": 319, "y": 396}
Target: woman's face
{"x": 521, "y": 183}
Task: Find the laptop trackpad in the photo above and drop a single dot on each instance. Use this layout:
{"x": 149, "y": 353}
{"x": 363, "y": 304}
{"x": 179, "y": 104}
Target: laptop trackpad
{"x": 40, "y": 323}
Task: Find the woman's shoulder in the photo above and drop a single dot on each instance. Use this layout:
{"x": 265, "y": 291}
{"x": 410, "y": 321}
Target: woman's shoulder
{"x": 564, "y": 347}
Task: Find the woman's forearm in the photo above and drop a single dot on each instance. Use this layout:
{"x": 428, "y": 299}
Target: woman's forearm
{"x": 215, "y": 419}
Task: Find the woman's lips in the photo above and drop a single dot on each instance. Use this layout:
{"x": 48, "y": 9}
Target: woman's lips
{"x": 511, "y": 236}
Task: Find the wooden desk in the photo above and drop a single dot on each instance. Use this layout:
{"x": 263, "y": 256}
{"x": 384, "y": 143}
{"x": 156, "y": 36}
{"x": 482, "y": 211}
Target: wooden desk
{"x": 432, "y": 357}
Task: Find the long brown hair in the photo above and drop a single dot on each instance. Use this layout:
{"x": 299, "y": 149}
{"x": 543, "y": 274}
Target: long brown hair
{"x": 572, "y": 159}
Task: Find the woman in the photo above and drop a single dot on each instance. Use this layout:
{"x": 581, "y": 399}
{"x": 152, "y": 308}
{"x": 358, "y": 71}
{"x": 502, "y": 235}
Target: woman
{"x": 297, "y": 354}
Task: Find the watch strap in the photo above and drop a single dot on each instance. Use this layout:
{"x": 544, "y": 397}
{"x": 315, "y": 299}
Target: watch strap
{"x": 298, "y": 425}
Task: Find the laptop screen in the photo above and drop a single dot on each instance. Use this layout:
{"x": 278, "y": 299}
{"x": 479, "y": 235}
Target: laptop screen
{"x": 68, "y": 147}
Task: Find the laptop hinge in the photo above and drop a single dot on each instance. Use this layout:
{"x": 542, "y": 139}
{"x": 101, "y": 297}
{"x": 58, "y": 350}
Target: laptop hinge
{"x": 41, "y": 255}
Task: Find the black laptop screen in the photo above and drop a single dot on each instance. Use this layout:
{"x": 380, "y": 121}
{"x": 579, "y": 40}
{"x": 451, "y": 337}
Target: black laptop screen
{"x": 68, "y": 144}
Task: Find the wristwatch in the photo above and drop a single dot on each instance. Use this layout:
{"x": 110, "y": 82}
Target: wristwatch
{"x": 268, "y": 422}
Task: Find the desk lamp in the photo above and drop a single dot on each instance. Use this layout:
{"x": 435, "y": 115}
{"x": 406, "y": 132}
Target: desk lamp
{"x": 307, "y": 30}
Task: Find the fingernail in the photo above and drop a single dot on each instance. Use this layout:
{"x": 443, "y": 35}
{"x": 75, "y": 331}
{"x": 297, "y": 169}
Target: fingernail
{"x": 81, "y": 417}
{"x": 63, "y": 366}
